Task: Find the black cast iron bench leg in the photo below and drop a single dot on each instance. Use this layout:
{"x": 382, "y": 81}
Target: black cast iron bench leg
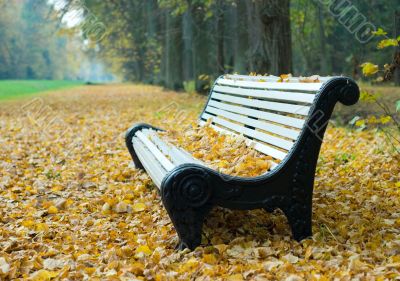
{"x": 300, "y": 220}
{"x": 186, "y": 194}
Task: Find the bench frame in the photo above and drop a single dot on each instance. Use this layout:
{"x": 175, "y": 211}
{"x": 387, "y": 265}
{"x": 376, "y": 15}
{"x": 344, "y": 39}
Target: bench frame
{"x": 190, "y": 191}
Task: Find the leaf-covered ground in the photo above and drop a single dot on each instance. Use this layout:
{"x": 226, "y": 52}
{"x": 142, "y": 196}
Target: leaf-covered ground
{"x": 72, "y": 206}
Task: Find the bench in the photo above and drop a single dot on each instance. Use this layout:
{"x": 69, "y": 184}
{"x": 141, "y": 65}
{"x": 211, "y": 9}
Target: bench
{"x": 285, "y": 120}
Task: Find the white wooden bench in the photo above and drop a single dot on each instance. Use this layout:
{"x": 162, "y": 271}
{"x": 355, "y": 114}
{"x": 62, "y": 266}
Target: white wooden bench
{"x": 285, "y": 120}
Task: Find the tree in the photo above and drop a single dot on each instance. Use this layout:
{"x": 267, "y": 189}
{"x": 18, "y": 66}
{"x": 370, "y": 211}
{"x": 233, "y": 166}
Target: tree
{"x": 31, "y": 46}
{"x": 241, "y": 45}
{"x": 397, "y": 49}
{"x": 173, "y": 62}
{"x": 270, "y": 36}
{"x": 188, "y": 44}
{"x": 171, "y": 41}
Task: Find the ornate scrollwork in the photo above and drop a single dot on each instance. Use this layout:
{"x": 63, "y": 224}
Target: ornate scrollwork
{"x": 186, "y": 194}
{"x": 189, "y": 188}
{"x": 349, "y": 94}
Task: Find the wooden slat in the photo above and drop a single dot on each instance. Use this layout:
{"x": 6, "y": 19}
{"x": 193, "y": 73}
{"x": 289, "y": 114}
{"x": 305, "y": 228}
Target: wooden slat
{"x": 149, "y": 162}
{"x": 176, "y": 155}
{"x": 271, "y": 78}
{"x": 165, "y": 148}
{"x": 279, "y": 130}
{"x": 310, "y": 87}
{"x": 284, "y": 120}
{"x": 251, "y": 143}
{"x": 187, "y": 155}
{"x": 165, "y": 162}
{"x": 241, "y": 129}
{"x": 287, "y": 145}
{"x": 275, "y": 106}
{"x": 275, "y": 95}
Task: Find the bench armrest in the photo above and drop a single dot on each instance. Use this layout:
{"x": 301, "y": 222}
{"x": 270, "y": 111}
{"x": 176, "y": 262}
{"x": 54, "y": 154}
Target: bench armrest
{"x": 130, "y": 133}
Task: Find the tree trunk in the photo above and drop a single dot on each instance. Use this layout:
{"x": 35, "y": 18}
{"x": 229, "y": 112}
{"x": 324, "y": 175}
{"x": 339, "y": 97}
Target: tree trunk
{"x": 397, "y": 50}
{"x": 324, "y": 57}
{"x": 204, "y": 49}
{"x": 240, "y": 37}
{"x": 173, "y": 61}
{"x": 270, "y": 36}
{"x": 188, "y": 61}
{"x": 220, "y": 36}
{"x": 230, "y": 30}
{"x": 151, "y": 8}
{"x": 255, "y": 48}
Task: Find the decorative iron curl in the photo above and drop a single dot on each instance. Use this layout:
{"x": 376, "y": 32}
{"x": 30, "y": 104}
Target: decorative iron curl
{"x": 349, "y": 94}
{"x": 188, "y": 187}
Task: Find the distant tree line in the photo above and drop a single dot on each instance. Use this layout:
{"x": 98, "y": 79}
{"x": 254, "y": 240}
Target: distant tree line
{"x": 187, "y": 43}
{"x": 174, "y": 42}
{"x": 177, "y": 43}
{"x": 31, "y": 45}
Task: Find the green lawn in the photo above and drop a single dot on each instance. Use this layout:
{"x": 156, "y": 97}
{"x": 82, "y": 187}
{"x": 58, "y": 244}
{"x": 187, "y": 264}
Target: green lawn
{"x": 11, "y": 89}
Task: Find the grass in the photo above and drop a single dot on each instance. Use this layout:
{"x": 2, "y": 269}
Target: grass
{"x": 12, "y": 89}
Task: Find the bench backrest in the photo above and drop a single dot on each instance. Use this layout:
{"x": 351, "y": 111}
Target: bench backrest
{"x": 268, "y": 113}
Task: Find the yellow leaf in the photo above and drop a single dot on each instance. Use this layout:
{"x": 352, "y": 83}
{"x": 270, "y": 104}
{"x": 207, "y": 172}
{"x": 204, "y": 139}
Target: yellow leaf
{"x": 379, "y": 32}
{"x": 388, "y": 43}
{"x": 372, "y": 120}
{"x": 189, "y": 265}
{"x": 43, "y": 275}
{"x": 221, "y": 248}
{"x": 52, "y": 210}
{"x": 28, "y": 223}
{"x": 285, "y": 77}
{"x": 368, "y": 96}
{"x": 42, "y": 227}
{"x": 144, "y": 249}
{"x": 137, "y": 268}
{"x": 308, "y": 252}
{"x": 235, "y": 277}
{"x": 385, "y": 119}
{"x": 57, "y": 188}
{"x": 90, "y": 270}
{"x": 360, "y": 123}
{"x": 209, "y": 258}
{"x": 138, "y": 207}
{"x": 369, "y": 69}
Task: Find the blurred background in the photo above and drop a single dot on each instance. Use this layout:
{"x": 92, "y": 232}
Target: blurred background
{"x": 185, "y": 44}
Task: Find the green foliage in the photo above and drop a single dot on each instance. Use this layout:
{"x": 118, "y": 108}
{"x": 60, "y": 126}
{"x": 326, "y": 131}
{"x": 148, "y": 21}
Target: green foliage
{"x": 179, "y": 7}
{"x": 380, "y": 32}
{"x": 387, "y": 115}
{"x": 167, "y": 42}
{"x": 322, "y": 43}
{"x": 10, "y": 89}
{"x": 343, "y": 158}
{"x": 189, "y": 86}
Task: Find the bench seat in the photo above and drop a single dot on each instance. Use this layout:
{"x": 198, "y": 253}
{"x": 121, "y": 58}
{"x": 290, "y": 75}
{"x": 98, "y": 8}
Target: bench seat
{"x": 159, "y": 157}
{"x": 284, "y": 120}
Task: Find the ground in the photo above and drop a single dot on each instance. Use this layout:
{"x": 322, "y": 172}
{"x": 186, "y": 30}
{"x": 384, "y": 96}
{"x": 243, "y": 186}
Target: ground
{"x": 387, "y": 94}
{"x": 73, "y": 207}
